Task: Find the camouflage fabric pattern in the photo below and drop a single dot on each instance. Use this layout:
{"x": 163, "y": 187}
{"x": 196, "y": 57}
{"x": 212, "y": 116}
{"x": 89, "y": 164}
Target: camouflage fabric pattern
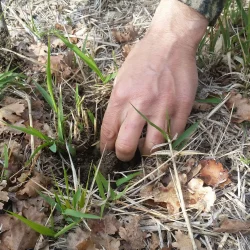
{"x": 211, "y": 9}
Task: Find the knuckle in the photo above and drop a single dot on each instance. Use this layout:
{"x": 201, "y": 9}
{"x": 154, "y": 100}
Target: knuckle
{"x": 187, "y": 103}
{"x": 124, "y": 148}
{"x": 107, "y": 133}
{"x": 119, "y": 94}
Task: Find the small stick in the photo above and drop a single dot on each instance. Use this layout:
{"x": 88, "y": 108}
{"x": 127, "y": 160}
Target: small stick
{"x": 181, "y": 199}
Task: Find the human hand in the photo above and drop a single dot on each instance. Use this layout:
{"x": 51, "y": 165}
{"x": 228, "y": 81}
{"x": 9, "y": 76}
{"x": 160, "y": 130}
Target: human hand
{"x": 159, "y": 77}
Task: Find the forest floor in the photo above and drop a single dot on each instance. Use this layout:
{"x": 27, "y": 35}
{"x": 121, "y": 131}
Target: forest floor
{"x": 191, "y": 193}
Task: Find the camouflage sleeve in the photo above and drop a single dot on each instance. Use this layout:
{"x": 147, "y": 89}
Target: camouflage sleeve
{"x": 211, "y": 9}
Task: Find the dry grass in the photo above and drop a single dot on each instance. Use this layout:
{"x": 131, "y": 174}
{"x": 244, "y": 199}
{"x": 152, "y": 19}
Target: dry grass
{"x": 216, "y": 137}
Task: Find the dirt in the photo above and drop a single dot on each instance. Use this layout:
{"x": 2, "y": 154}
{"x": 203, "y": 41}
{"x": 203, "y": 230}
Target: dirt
{"x": 216, "y": 137}
{"x": 109, "y": 164}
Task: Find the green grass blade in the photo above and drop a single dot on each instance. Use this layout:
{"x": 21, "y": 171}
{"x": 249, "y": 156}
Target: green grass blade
{"x": 32, "y": 131}
{"x": 51, "y": 202}
{"x": 62, "y": 206}
{"x": 100, "y": 186}
{"x": 106, "y": 185}
{"x": 46, "y": 96}
{"x": 110, "y": 77}
{"x": 243, "y": 12}
{"x": 85, "y": 43}
{"x": 66, "y": 229}
{"x": 164, "y": 134}
{"x": 185, "y": 135}
{"x": 81, "y": 202}
{"x": 9, "y": 77}
{"x": 91, "y": 117}
{"x": 60, "y": 120}
{"x": 212, "y": 100}
{"x": 35, "y": 226}
{"x": 119, "y": 195}
{"x": 6, "y": 162}
{"x": 37, "y": 150}
{"x": 89, "y": 61}
{"x": 6, "y": 156}
{"x": 53, "y": 147}
{"x": 77, "y": 197}
{"x": 49, "y": 80}
{"x": 126, "y": 179}
{"x": 77, "y": 214}
{"x": 66, "y": 181}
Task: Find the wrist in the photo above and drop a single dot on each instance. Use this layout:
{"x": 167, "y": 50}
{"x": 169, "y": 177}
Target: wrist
{"x": 178, "y": 22}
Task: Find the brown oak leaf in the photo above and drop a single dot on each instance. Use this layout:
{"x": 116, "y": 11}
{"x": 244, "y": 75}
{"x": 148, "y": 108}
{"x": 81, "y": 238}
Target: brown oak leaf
{"x": 183, "y": 242}
{"x": 202, "y": 106}
{"x": 78, "y": 240}
{"x": 126, "y": 49}
{"x": 195, "y": 195}
{"x": 233, "y": 226}
{"x": 132, "y": 233}
{"x": 32, "y": 186}
{"x": 129, "y": 34}
{"x": 155, "y": 241}
{"x": 11, "y": 114}
{"x": 241, "y": 106}
{"x": 3, "y": 194}
{"x": 19, "y": 236}
{"x": 213, "y": 173}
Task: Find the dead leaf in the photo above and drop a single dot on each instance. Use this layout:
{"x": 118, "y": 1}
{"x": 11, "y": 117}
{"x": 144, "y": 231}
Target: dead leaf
{"x": 18, "y": 236}
{"x": 37, "y": 111}
{"x": 38, "y": 50}
{"x": 213, "y": 173}
{"x": 146, "y": 191}
{"x": 3, "y": 194}
{"x": 11, "y": 114}
{"x": 202, "y": 106}
{"x": 127, "y": 35}
{"x": 233, "y": 226}
{"x": 155, "y": 241}
{"x": 59, "y": 68}
{"x": 167, "y": 197}
{"x": 32, "y": 186}
{"x": 132, "y": 233}
{"x": 111, "y": 224}
{"x": 78, "y": 238}
{"x": 13, "y": 146}
{"x": 56, "y": 42}
{"x": 195, "y": 195}
{"x": 191, "y": 169}
{"x": 241, "y": 105}
{"x": 108, "y": 225}
{"x": 86, "y": 245}
{"x": 20, "y": 205}
{"x": 106, "y": 241}
{"x": 59, "y": 63}
{"x": 126, "y": 49}
{"x": 64, "y": 27}
{"x": 82, "y": 240}
{"x": 199, "y": 197}
{"x": 69, "y": 30}
{"x": 183, "y": 242}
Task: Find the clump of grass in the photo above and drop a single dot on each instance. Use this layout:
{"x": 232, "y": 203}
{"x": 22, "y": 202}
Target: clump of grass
{"x": 230, "y": 36}
{"x": 71, "y": 202}
{"x": 107, "y": 193}
{"x": 87, "y": 59}
{"x": 8, "y": 78}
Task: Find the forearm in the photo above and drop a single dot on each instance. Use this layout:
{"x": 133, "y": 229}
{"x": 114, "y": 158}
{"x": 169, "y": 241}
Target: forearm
{"x": 211, "y": 9}
{"x": 177, "y": 23}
